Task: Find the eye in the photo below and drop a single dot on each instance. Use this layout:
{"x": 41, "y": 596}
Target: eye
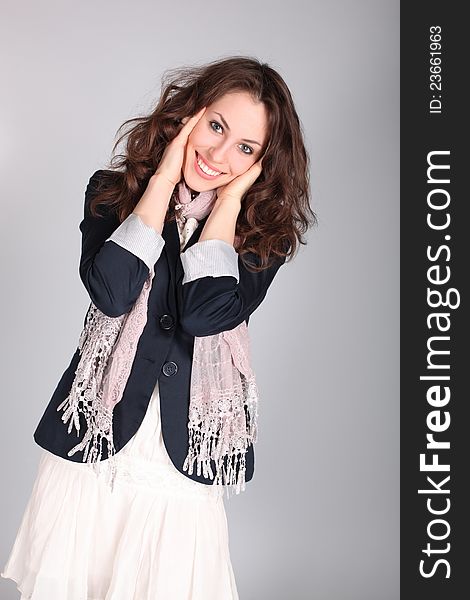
{"x": 212, "y": 123}
{"x": 250, "y": 150}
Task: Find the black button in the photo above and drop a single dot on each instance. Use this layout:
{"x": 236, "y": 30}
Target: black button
{"x": 166, "y": 321}
{"x": 169, "y": 368}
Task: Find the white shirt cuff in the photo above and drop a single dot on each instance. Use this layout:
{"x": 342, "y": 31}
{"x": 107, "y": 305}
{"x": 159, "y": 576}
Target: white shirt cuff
{"x": 140, "y": 239}
{"x": 209, "y": 258}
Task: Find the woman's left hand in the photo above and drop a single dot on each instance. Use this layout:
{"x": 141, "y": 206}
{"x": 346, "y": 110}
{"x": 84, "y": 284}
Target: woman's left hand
{"x": 238, "y": 187}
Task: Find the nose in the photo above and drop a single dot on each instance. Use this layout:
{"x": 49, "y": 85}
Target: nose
{"x": 218, "y": 156}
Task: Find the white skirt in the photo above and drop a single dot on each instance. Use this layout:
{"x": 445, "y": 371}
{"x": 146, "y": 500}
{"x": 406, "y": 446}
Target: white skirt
{"x": 157, "y": 536}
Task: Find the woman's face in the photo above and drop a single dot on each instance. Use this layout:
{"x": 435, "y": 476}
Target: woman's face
{"x": 227, "y": 139}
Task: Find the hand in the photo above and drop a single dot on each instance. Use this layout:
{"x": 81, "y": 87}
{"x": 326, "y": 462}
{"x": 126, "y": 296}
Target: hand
{"x": 173, "y": 156}
{"x": 238, "y": 187}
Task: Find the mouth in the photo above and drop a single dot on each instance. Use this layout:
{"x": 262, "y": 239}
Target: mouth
{"x": 203, "y": 169}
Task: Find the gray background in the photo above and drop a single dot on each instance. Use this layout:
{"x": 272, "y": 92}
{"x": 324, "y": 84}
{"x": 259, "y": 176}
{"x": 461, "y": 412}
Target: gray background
{"x": 320, "y": 519}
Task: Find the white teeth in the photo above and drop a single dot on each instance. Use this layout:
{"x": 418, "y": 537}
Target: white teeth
{"x": 206, "y": 169}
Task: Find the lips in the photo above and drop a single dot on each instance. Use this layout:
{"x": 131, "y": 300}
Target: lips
{"x": 209, "y": 165}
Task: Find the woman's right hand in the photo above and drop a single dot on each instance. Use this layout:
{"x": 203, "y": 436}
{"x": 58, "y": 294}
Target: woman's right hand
{"x": 173, "y": 156}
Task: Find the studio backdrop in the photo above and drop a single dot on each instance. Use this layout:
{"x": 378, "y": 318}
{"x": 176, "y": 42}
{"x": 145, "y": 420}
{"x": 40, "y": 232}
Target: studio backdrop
{"x": 320, "y": 520}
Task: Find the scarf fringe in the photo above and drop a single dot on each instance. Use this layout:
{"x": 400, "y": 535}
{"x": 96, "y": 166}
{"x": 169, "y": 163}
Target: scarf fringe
{"x": 95, "y": 344}
{"x": 214, "y": 442}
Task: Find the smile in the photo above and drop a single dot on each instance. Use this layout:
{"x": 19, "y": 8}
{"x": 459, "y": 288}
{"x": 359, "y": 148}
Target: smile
{"x": 204, "y": 170}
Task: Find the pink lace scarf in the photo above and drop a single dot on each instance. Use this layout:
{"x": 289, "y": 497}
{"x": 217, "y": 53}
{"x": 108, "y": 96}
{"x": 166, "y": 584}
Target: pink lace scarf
{"x": 223, "y": 410}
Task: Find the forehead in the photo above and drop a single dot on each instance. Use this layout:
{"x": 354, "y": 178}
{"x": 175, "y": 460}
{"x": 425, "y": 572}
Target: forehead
{"x": 244, "y": 116}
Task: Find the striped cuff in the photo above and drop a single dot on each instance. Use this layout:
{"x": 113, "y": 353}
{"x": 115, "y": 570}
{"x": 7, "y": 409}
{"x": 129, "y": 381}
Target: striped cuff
{"x": 140, "y": 239}
{"x": 213, "y": 258}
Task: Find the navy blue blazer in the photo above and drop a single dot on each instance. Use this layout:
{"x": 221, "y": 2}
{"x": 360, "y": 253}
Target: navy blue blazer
{"x": 188, "y": 298}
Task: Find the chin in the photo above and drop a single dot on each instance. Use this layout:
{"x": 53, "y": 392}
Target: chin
{"x": 197, "y": 184}
{"x": 193, "y": 184}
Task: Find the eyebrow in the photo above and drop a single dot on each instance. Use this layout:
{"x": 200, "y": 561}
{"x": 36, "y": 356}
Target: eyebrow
{"x": 226, "y": 125}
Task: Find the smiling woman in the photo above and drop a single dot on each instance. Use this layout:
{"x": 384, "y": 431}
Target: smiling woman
{"x": 181, "y": 240}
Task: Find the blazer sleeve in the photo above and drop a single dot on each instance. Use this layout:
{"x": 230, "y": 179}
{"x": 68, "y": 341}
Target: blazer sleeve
{"x": 116, "y": 258}
{"x": 218, "y": 292}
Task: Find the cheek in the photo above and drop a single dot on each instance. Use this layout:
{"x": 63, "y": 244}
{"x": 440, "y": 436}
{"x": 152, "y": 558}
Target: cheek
{"x": 240, "y": 164}
{"x": 198, "y": 136}
{"x": 190, "y": 142}
{"x": 191, "y": 145}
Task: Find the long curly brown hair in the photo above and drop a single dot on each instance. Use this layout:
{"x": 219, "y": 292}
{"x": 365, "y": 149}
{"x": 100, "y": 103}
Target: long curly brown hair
{"x": 275, "y": 211}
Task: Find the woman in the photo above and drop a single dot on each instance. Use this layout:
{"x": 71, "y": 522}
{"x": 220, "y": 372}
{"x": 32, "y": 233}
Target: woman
{"x": 180, "y": 241}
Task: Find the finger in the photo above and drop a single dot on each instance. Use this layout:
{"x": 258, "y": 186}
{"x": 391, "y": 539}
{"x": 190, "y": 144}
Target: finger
{"x": 190, "y": 122}
{"x": 250, "y": 176}
{"x": 254, "y": 173}
{"x": 260, "y": 161}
